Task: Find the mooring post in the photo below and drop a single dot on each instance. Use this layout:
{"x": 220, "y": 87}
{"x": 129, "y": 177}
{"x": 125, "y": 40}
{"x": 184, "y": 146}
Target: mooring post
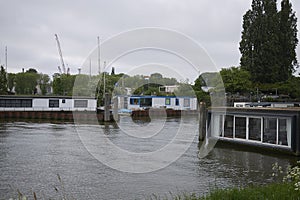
{"x": 115, "y": 109}
{"x": 106, "y": 107}
{"x": 202, "y": 121}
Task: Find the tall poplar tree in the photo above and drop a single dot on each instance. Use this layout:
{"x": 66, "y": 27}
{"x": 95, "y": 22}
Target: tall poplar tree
{"x": 267, "y": 37}
{"x": 288, "y": 39}
{"x": 3, "y": 81}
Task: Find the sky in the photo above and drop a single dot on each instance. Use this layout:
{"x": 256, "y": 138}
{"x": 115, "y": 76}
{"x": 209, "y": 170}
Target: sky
{"x": 28, "y": 28}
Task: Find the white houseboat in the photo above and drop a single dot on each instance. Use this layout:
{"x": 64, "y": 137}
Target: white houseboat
{"x": 275, "y": 128}
{"x": 47, "y": 103}
{"x": 167, "y": 102}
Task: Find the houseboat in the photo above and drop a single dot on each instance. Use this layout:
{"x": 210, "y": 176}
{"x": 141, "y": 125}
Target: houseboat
{"x": 47, "y": 103}
{"x": 273, "y": 128}
{"x": 166, "y": 102}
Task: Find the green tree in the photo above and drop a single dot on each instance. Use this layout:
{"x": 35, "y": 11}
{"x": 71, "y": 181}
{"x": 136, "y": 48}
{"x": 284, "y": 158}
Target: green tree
{"x": 236, "y": 80}
{"x": 261, "y": 45}
{"x": 288, "y": 40}
{"x": 44, "y": 83}
{"x": 11, "y": 81}
{"x": 3, "y": 81}
{"x": 26, "y": 83}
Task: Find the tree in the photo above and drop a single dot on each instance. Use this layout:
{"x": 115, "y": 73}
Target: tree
{"x": 288, "y": 39}
{"x": 26, "y": 83}
{"x": 236, "y": 80}
{"x": 262, "y": 42}
{"x": 3, "y": 81}
{"x": 11, "y": 81}
{"x": 44, "y": 83}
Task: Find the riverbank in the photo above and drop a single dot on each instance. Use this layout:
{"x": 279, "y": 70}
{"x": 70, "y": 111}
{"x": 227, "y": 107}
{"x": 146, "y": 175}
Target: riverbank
{"x": 271, "y": 191}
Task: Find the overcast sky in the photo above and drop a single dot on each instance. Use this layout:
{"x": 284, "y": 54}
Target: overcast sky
{"x": 28, "y": 28}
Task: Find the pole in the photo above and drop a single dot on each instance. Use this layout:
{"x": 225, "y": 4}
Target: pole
{"x": 6, "y": 59}
{"x": 202, "y": 121}
{"x": 99, "y": 67}
{"x": 104, "y": 65}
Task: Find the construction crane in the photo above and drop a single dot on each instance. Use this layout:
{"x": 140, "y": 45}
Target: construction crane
{"x": 61, "y": 56}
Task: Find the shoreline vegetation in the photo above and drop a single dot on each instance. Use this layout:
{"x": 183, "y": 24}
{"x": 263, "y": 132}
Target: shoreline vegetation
{"x": 286, "y": 185}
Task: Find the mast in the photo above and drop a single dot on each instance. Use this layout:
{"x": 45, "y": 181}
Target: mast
{"x": 99, "y": 67}
{"x": 6, "y": 59}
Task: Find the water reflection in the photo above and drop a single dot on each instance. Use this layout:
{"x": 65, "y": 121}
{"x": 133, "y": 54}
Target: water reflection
{"x": 32, "y": 154}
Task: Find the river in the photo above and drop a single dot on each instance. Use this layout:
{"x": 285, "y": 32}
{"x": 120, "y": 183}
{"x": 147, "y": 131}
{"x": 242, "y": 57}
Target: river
{"x": 51, "y": 160}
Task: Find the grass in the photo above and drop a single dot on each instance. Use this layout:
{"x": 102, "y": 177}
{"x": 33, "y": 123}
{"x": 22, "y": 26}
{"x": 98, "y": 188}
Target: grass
{"x": 274, "y": 191}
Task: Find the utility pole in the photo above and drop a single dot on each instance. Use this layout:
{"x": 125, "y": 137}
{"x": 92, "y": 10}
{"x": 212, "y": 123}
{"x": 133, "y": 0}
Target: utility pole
{"x": 104, "y": 65}
{"x": 99, "y": 65}
{"x": 6, "y": 59}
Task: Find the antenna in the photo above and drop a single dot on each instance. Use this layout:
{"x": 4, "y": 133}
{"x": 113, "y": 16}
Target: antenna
{"x": 6, "y": 59}
{"x": 99, "y": 67}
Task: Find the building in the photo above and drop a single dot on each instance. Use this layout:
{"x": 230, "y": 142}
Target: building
{"x": 167, "y": 102}
{"x": 47, "y": 103}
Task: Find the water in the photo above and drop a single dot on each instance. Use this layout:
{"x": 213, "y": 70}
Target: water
{"x": 32, "y": 155}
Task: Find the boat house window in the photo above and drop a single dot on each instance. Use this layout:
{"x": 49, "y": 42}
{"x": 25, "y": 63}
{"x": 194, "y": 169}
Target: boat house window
{"x": 53, "y": 103}
{"x": 16, "y": 103}
{"x": 270, "y": 130}
{"x": 177, "y": 102}
{"x": 146, "y": 102}
{"x": 186, "y": 103}
{"x": 134, "y": 101}
{"x": 228, "y": 126}
{"x": 255, "y": 129}
{"x": 80, "y": 103}
{"x": 240, "y": 127}
{"x": 168, "y": 101}
{"x": 282, "y": 135}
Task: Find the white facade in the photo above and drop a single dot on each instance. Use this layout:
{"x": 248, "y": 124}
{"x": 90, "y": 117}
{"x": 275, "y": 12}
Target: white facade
{"x": 175, "y": 103}
{"x": 47, "y": 104}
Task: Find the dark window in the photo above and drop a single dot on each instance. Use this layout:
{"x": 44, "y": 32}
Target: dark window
{"x": 240, "y": 127}
{"x": 134, "y": 101}
{"x": 228, "y": 126}
{"x": 15, "y": 103}
{"x": 146, "y": 102}
{"x": 168, "y": 101}
{"x": 80, "y": 103}
{"x": 255, "y": 129}
{"x": 53, "y": 103}
{"x": 270, "y": 130}
{"x": 177, "y": 102}
{"x": 63, "y": 101}
{"x": 282, "y": 137}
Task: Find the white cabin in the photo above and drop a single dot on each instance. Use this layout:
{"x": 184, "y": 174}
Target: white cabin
{"x": 168, "y": 102}
{"x": 47, "y": 103}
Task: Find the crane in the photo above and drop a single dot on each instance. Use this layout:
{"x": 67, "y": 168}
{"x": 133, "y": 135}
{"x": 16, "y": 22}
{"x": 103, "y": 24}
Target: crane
{"x": 61, "y": 56}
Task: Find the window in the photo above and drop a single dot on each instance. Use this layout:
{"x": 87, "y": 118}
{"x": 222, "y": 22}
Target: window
{"x": 228, "y": 126}
{"x": 15, "y": 103}
{"x": 240, "y": 127}
{"x": 255, "y": 129}
{"x": 145, "y": 102}
{"x": 270, "y": 130}
{"x": 168, "y": 101}
{"x": 282, "y": 132}
{"x": 63, "y": 101}
{"x": 134, "y": 101}
{"x": 53, "y": 103}
{"x": 186, "y": 103}
{"x": 80, "y": 103}
{"x": 177, "y": 102}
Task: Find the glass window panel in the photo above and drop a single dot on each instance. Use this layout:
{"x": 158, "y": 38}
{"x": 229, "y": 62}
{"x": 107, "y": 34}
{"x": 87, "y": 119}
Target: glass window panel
{"x": 53, "y": 103}
{"x": 228, "y": 126}
{"x": 240, "y": 127}
{"x": 186, "y": 102}
{"x": 255, "y": 129}
{"x": 282, "y": 136}
{"x": 168, "y": 101}
{"x": 80, "y": 103}
{"x": 270, "y": 130}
